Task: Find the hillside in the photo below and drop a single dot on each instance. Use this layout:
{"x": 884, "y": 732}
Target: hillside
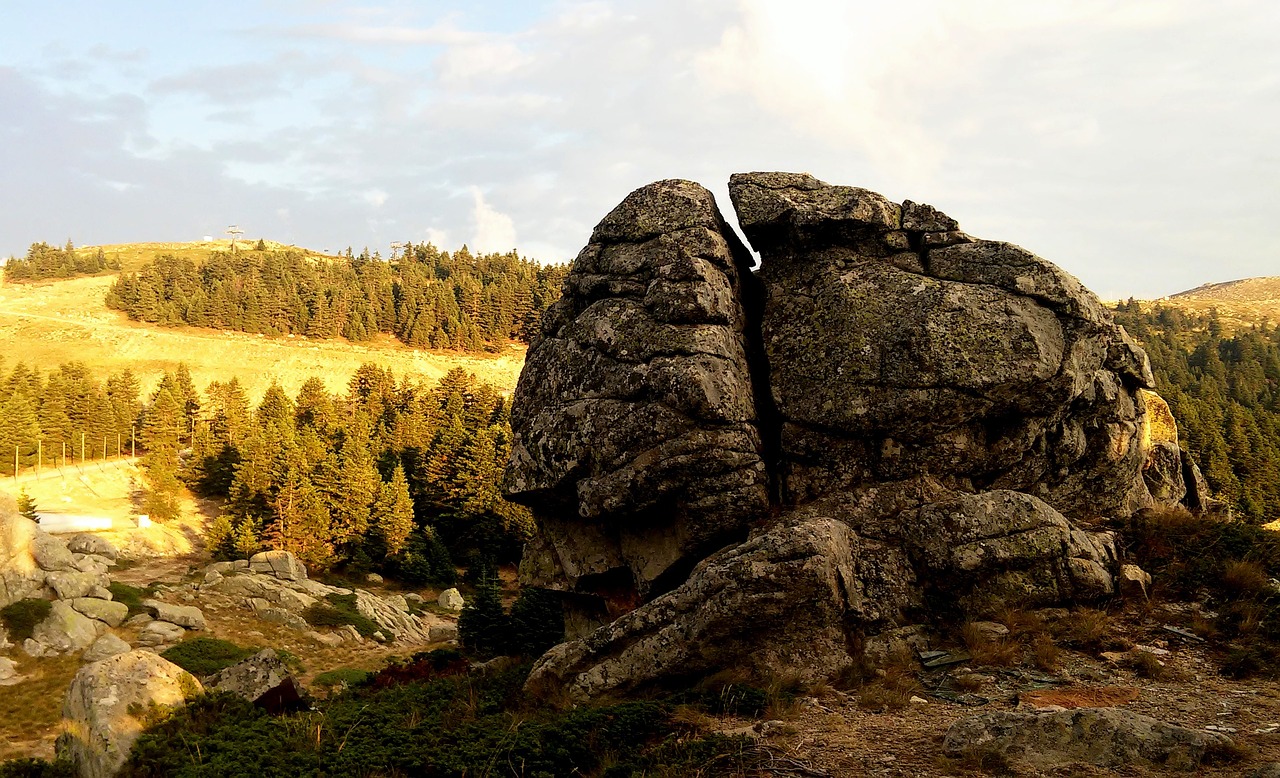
{"x": 1240, "y": 304}
{"x": 61, "y": 321}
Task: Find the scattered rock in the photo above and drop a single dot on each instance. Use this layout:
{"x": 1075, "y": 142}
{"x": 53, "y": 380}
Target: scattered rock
{"x": 1134, "y": 582}
{"x": 160, "y": 633}
{"x": 104, "y": 647}
{"x": 284, "y": 617}
{"x": 68, "y": 585}
{"x": 373, "y": 578}
{"x": 262, "y": 679}
{"x": 51, "y": 553}
{"x": 281, "y": 564}
{"x": 451, "y": 599}
{"x": 101, "y": 713}
{"x": 415, "y": 598}
{"x": 85, "y": 543}
{"x": 1104, "y": 737}
{"x": 187, "y": 616}
{"x": 330, "y": 639}
{"x": 988, "y": 631}
{"x": 8, "y": 672}
{"x": 64, "y": 631}
{"x": 92, "y": 564}
{"x": 111, "y": 613}
{"x": 138, "y": 620}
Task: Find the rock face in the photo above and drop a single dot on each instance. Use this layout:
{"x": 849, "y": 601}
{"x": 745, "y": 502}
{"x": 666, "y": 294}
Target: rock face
{"x": 20, "y": 576}
{"x": 1106, "y": 737}
{"x": 262, "y": 679}
{"x": 100, "y": 715}
{"x": 636, "y": 429}
{"x": 890, "y": 420}
{"x": 64, "y": 631}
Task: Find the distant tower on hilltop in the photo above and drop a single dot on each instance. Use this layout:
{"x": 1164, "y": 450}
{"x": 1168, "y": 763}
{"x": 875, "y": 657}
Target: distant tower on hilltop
{"x": 235, "y": 232}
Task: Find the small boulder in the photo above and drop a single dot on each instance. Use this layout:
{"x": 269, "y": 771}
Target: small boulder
{"x": 373, "y": 578}
{"x": 100, "y": 715}
{"x": 91, "y": 564}
{"x": 51, "y": 553}
{"x": 1134, "y": 582}
{"x": 68, "y": 585}
{"x": 64, "y": 631}
{"x": 281, "y": 564}
{"x": 1105, "y": 737}
{"x": 262, "y": 679}
{"x": 160, "y": 633}
{"x": 105, "y": 647}
{"x": 281, "y": 616}
{"x": 330, "y": 639}
{"x": 8, "y": 671}
{"x": 111, "y": 613}
{"x": 451, "y": 599}
{"x": 84, "y": 543}
{"x": 187, "y": 616}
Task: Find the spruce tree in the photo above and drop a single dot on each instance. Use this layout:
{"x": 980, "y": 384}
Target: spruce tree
{"x": 393, "y": 512}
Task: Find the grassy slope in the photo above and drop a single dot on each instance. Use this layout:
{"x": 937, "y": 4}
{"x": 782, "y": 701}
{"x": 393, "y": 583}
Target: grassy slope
{"x": 1241, "y": 303}
{"x": 48, "y": 323}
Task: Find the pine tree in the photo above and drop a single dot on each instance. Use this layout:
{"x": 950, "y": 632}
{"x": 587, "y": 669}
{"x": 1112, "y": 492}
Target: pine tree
{"x": 484, "y": 629}
{"x": 393, "y": 512}
{"x": 27, "y": 507}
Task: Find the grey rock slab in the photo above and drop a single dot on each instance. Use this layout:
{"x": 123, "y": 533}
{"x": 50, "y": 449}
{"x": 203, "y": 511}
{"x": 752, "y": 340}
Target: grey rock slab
{"x": 85, "y": 543}
{"x": 251, "y": 679}
{"x": 70, "y": 584}
{"x": 51, "y": 553}
{"x": 65, "y": 631}
{"x": 111, "y": 613}
{"x": 105, "y": 647}
{"x": 188, "y": 616}
{"x": 160, "y": 633}
{"x": 1105, "y": 737}
{"x": 281, "y": 564}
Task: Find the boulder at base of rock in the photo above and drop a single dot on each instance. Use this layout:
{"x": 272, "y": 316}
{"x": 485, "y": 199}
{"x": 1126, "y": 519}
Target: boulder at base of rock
{"x": 262, "y": 679}
{"x": 451, "y": 599}
{"x": 160, "y": 633}
{"x": 105, "y": 647}
{"x": 1106, "y": 737}
{"x": 1134, "y": 582}
{"x": 738, "y": 608}
{"x": 281, "y": 564}
{"x": 99, "y": 721}
{"x": 188, "y": 616}
{"x": 64, "y": 631}
{"x": 68, "y": 585}
{"x": 8, "y": 671}
{"x": 84, "y": 543}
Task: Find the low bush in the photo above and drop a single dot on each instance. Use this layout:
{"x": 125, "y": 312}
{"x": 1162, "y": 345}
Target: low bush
{"x": 453, "y": 726}
{"x": 205, "y": 656}
{"x": 340, "y": 611}
{"x": 20, "y": 618}
{"x": 36, "y": 768}
{"x": 343, "y": 677}
{"x": 130, "y": 596}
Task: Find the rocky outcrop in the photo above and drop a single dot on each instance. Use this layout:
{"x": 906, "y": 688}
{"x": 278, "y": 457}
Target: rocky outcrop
{"x": 281, "y": 564}
{"x": 20, "y": 576}
{"x": 106, "y": 705}
{"x": 890, "y": 421}
{"x": 636, "y": 431}
{"x": 898, "y": 345}
{"x": 1105, "y": 737}
{"x": 64, "y": 631}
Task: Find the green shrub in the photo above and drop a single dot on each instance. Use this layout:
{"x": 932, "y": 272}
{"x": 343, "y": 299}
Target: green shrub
{"x": 20, "y": 618}
{"x": 537, "y": 622}
{"x": 340, "y": 612}
{"x": 206, "y": 656}
{"x": 424, "y": 562}
{"x": 36, "y": 768}
{"x": 484, "y": 628}
{"x": 458, "y": 725}
{"x": 343, "y": 676}
{"x": 130, "y": 596}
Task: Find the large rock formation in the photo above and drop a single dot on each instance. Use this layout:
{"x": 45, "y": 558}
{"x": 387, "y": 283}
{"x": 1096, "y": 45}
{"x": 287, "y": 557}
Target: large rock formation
{"x": 20, "y": 576}
{"x": 636, "y": 424}
{"x": 892, "y": 420}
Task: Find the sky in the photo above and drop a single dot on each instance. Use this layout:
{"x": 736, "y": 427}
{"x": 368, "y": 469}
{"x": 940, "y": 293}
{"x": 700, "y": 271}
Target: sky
{"x": 1132, "y": 143}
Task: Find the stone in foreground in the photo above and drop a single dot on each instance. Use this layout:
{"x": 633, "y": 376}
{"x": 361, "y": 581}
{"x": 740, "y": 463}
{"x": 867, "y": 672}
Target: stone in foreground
{"x": 1105, "y": 737}
{"x": 100, "y": 715}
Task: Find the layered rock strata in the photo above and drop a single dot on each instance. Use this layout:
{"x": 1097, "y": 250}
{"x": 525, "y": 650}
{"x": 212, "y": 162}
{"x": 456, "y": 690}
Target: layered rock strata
{"x": 890, "y": 421}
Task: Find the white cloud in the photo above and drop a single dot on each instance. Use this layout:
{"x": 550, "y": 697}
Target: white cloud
{"x": 494, "y": 231}
{"x": 376, "y": 197}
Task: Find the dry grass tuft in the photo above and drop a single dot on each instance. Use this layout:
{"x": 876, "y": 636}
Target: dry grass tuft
{"x": 996, "y": 652}
{"x": 1045, "y": 653}
{"x": 891, "y": 691}
{"x": 1148, "y": 665}
{"x": 1244, "y": 580}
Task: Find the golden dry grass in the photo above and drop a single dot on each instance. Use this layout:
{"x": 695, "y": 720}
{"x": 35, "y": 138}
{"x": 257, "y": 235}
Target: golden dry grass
{"x": 31, "y": 710}
{"x": 50, "y": 323}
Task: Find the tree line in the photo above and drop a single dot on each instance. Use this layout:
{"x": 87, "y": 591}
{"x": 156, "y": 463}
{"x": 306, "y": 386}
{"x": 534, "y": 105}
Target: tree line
{"x": 65, "y": 413}
{"x": 426, "y": 298}
{"x": 44, "y": 262}
{"x": 1224, "y": 390}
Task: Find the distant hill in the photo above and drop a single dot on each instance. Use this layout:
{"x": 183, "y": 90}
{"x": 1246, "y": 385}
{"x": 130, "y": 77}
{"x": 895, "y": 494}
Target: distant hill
{"x": 1240, "y": 304}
